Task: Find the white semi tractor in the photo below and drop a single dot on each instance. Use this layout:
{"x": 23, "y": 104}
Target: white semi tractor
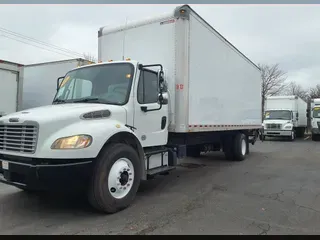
{"x": 40, "y": 80}
{"x": 285, "y": 116}
{"x": 315, "y": 119}
{"x": 112, "y": 124}
{"x": 11, "y": 85}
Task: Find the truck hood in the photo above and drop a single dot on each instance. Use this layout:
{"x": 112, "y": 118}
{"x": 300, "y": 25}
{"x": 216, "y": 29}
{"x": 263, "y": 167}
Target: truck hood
{"x": 66, "y": 113}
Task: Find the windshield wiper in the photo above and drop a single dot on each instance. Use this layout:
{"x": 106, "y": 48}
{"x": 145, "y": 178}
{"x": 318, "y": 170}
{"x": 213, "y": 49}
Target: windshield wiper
{"x": 88, "y": 99}
{"x": 58, "y": 100}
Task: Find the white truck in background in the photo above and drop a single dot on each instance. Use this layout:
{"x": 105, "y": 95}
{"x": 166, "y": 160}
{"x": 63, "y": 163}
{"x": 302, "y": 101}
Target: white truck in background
{"x": 315, "y": 119}
{"x": 40, "y": 81}
{"x": 115, "y": 123}
{"x": 11, "y": 83}
{"x": 285, "y": 116}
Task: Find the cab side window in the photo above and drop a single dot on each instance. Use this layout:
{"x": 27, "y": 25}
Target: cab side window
{"x": 148, "y": 88}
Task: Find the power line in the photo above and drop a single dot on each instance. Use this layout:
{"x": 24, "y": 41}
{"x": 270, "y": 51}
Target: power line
{"x": 36, "y": 46}
{"x": 40, "y": 42}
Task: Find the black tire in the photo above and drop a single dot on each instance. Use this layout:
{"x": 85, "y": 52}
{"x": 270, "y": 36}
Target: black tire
{"x": 314, "y": 137}
{"x": 303, "y": 130}
{"x": 238, "y": 140}
{"x": 293, "y": 138}
{"x": 193, "y": 151}
{"x": 234, "y": 150}
{"x": 98, "y": 193}
{"x": 300, "y": 132}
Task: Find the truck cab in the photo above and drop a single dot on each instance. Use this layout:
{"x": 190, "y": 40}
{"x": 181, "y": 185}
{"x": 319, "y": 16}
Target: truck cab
{"x": 315, "y": 119}
{"x": 111, "y": 110}
{"x": 279, "y": 123}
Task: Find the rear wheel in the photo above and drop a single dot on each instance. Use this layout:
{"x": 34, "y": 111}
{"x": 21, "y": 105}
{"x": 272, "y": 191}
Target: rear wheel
{"x": 314, "y": 137}
{"x": 116, "y": 178}
{"x": 193, "y": 151}
{"x": 237, "y": 150}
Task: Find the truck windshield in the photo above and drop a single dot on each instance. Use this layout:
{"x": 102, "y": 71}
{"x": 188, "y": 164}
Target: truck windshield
{"x": 108, "y": 83}
{"x": 278, "y": 114}
{"x": 316, "y": 112}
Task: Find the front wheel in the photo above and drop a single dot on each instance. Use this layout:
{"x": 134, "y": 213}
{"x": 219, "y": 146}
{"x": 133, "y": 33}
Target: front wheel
{"x": 293, "y": 136}
{"x": 116, "y": 178}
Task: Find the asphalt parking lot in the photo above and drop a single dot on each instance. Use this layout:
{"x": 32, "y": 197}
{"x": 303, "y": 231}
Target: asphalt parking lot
{"x": 275, "y": 191}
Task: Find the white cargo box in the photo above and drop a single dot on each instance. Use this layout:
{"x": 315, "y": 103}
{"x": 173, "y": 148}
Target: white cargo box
{"x": 40, "y": 81}
{"x": 212, "y": 85}
{"x": 11, "y": 80}
{"x": 315, "y": 102}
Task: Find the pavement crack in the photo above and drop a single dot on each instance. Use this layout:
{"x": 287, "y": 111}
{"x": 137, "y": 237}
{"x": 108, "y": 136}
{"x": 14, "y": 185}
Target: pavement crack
{"x": 307, "y": 208}
{"x": 264, "y": 230}
{"x": 272, "y": 196}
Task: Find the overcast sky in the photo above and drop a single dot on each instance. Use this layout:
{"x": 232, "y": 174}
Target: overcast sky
{"x": 284, "y": 34}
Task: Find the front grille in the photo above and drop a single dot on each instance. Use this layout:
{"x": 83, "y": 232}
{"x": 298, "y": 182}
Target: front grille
{"x": 18, "y": 138}
{"x": 273, "y": 126}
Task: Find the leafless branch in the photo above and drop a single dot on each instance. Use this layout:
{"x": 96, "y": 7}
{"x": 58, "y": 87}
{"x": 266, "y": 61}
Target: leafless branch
{"x": 295, "y": 89}
{"x": 89, "y": 57}
{"x": 273, "y": 81}
{"x": 314, "y": 92}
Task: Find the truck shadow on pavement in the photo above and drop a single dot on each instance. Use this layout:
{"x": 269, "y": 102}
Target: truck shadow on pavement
{"x": 16, "y": 203}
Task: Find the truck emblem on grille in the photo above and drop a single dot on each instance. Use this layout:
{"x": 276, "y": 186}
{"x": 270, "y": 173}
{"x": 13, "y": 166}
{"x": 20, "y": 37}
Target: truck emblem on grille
{"x": 13, "y": 119}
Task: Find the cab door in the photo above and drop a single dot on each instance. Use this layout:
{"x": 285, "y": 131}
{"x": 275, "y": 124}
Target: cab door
{"x": 150, "y": 117}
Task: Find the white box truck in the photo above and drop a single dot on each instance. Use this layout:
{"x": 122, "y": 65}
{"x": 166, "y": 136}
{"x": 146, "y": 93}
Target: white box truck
{"x": 315, "y": 119}
{"x": 40, "y": 81}
{"x": 112, "y": 124}
{"x": 285, "y": 116}
{"x": 11, "y": 80}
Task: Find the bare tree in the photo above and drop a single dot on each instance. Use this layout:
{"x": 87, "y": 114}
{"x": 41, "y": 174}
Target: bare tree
{"x": 314, "y": 92}
{"x": 89, "y": 57}
{"x": 273, "y": 81}
{"x": 296, "y": 89}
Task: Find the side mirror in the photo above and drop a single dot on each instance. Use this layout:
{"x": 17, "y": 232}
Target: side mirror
{"x": 161, "y": 80}
{"x": 59, "y": 82}
{"x": 163, "y": 98}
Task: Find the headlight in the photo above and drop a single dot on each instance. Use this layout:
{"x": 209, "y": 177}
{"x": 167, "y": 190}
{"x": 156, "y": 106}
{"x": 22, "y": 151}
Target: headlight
{"x": 72, "y": 142}
{"x": 288, "y": 126}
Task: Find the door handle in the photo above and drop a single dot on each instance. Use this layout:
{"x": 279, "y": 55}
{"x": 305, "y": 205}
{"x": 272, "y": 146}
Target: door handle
{"x": 144, "y": 108}
{"x": 163, "y": 122}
